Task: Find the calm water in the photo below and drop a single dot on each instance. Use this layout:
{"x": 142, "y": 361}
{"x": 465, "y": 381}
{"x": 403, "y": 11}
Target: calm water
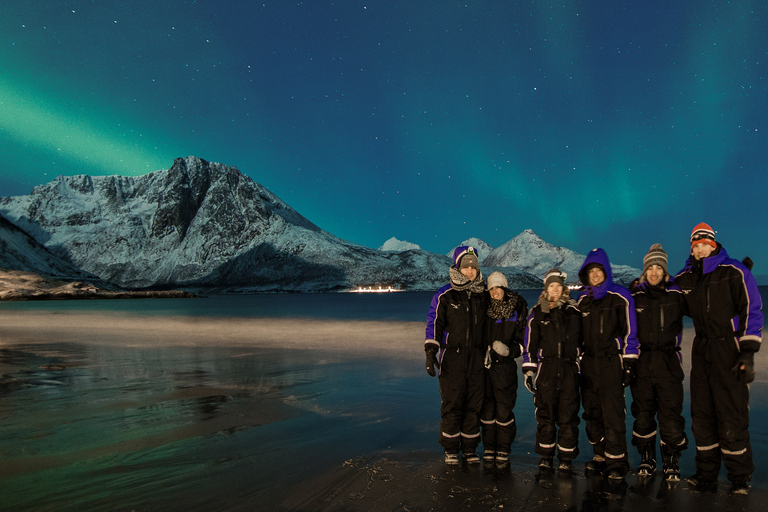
{"x": 396, "y": 306}
{"x": 403, "y": 306}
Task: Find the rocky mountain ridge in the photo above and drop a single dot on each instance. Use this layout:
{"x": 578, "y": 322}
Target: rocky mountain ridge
{"x": 204, "y": 225}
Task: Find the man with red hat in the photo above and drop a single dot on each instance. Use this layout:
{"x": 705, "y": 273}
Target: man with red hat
{"x": 722, "y": 298}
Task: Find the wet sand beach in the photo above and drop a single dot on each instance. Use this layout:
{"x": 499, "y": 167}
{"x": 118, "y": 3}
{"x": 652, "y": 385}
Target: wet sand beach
{"x": 115, "y": 411}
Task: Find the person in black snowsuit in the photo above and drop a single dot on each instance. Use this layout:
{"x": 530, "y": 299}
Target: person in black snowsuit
{"x": 608, "y": 364}
{"x": 551, "y": 351}
{"x": 504, "y": 327}
{"x": 723, "y": 300}
{"x": 658, "y": 387}
{"x": 455, "y": 349}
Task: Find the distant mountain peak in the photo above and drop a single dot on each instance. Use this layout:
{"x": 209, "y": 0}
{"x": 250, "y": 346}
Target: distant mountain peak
{"x": 483, "y": 249}
{"x": 395, "y": 245}
{"x": 530, "y": 253}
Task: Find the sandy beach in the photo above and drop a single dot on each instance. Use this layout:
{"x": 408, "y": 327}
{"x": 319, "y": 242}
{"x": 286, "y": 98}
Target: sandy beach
{"x": 110, "y": 411}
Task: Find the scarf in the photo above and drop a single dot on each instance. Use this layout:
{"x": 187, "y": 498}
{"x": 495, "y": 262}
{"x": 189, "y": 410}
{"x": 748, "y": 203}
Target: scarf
{"x": 460, "y": 282}
{"x": 502, "y": 308}
{"x": 547, "y": 305}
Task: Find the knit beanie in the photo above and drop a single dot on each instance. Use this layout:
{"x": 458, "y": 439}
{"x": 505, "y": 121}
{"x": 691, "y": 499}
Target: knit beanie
{"x": 656, "y": 256}
{"x": 497, "y": 279}
{"x": 465, "y": 257}
{"x": 555, "y": 276}
{"x": 703, "y": 234}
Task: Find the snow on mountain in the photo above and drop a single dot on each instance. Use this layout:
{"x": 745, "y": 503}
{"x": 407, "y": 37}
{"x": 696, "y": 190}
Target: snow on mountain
{"x": 19, "y": 251}
{"x": 482, "y": 248}
{"x": 206, "y": 225}
{"x": 529, "y": 253}
{"x": 395, "y": 245}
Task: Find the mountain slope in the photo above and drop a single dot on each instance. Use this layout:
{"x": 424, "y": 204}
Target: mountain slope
{"x": 19, "y": 251}
{"x": 203, "y": 224}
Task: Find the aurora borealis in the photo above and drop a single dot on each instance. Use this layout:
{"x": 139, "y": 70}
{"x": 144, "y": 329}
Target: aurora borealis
{"x": 605, "y": 124}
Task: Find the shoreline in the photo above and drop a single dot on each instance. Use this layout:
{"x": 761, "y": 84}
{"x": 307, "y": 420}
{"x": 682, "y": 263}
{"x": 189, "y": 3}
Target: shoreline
{"x": 17, "y": 285}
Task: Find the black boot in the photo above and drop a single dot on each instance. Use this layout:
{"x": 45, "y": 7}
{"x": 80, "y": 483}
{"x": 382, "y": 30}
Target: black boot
{"x": 647, "y": 460}
{"x": 670, "y": 457}
{"x": 596, "y": 466}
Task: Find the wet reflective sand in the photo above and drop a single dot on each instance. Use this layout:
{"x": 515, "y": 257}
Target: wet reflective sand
{"x": 103, "y": 411}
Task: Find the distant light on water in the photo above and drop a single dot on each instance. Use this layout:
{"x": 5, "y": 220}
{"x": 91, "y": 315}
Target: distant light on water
{"x": 378, "y": 289}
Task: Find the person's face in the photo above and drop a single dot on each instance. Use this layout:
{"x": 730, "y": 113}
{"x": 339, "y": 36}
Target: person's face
{"x": 655, "y": 274}
{"x": 596, "y": 276}
{"x": 702, "y": 250}
{"x": 497, "y": 292}
{"x": 469, "y": 272}
{"x": 555, "y": 290}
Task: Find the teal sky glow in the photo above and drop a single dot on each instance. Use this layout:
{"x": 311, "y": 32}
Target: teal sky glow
{"x": 592, "y": 123}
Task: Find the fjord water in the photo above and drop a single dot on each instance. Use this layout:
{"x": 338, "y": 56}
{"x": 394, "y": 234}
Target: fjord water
{"x": 226, "y": 402}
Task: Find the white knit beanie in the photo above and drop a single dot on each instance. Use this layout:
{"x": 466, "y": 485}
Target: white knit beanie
{"x": 497, "y": 279}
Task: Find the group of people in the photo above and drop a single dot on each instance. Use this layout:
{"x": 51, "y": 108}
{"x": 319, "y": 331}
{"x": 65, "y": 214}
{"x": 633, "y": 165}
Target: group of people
{"x": 585, "y": 352}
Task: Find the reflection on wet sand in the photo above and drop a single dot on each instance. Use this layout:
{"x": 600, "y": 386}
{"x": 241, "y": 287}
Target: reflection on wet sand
{"x": 96, "y": 418}
{"x": 113, "y": 412}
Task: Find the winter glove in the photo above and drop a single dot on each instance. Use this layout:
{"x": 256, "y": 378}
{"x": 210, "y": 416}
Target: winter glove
{"x": 432, "y": 362}
{"x": 529, "y": 381}
{"x": 500, "y": 348}
{"x": 744, "y": 369}
{"x": 630, "y": 371}
{"x": 487, "y": 362}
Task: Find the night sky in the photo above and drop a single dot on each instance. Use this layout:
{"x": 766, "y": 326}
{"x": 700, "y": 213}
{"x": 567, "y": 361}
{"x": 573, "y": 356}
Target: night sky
{"x": 594, "y": 123}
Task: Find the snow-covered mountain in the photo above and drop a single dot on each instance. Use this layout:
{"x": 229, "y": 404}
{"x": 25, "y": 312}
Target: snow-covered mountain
{"x": 395, "y": 245}
{"x": 482, "y": 248}
{"x": 203, "y": 225}
{"x": 206, "y": 225}
{"x": 19, "y": 251}
{"x": 529, "y": 253}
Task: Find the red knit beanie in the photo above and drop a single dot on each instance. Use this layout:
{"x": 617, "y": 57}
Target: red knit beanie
{"x": 703, "y": 234}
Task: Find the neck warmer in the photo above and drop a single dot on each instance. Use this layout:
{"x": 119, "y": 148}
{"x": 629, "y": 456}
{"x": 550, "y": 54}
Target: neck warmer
{"x": 460, "y": 282}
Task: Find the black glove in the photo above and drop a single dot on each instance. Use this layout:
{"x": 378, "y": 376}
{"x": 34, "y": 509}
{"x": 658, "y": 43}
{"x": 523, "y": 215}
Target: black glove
{"x": 744, "y": 369}
{"x": 529, "y": 381}
{"x": 630, "y": 371}
{"x": 432, "y": 362}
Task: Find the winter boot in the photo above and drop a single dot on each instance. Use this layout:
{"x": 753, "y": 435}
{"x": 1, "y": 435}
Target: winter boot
{"x": 451, "y": 458}
{"x": 471, "y": 458}
{"x": 739, "y": 487}
{"x": 545, "y": 463}
{"x": 670, "y": 458}
{"x": 489, "y": 456}
{"x": 615, "y": 476}
{"x": 700, "y": 482}
{"x": 596, "y": 465}
{"x": 647, "y": 460}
